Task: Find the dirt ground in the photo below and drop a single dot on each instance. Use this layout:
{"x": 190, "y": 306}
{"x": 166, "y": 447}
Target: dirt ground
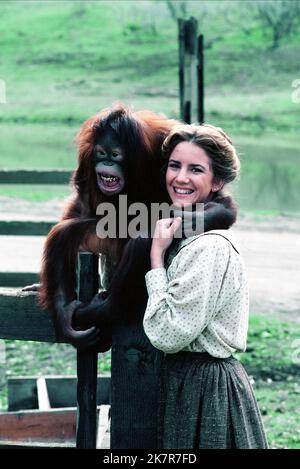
{"x": 270, "y": 247}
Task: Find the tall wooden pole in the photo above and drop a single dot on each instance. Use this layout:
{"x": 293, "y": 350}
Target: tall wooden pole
{"x": 86, "y": 428}
{"x": 200, "y": 69}
{"x": 190, "y": 71}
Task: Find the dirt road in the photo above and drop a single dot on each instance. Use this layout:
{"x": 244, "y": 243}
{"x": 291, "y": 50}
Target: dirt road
{"x": 270, "y": 246}
{"x": 273, "y": 264}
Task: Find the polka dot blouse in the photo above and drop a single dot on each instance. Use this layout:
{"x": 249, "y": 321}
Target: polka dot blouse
{"x": 200, "y": 302}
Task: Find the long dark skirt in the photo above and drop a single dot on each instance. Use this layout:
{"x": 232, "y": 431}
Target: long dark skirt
{"x": 207, "y": 402}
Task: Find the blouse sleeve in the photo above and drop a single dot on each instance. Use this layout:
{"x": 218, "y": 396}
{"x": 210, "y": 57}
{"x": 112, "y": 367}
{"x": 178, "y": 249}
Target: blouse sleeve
{"x": 178, "y": 310}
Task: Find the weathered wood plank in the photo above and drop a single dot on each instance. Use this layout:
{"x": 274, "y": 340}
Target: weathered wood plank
{"x": 86, "y": 431}
{"x": 35, "y": 445}
{"x": 188, "y": 70}
{"x": 42, "y": 393}
{"x": 134, "y": 374}
{"x": 34, "y": 177}
{"x": 25, "y": 228}
{"x": 106, "y": 438}
{"x": 21, "y": 318}
{"x": 181, "y": 67}
{"x": 200, "y": 72}
{"x": 22, "y": 394}
{"x": 54, "y": 425}
{"x": 103, "y": 427}
{"x": 18, "y": 279}
{"x": 62, "y": 392}
{"x": 22, "y": 391}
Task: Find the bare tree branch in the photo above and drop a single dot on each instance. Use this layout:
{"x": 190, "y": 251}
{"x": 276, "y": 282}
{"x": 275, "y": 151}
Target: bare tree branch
{"x": 177, "y": 9}
{"x": 172, "y": 9}
{"x": 282, "y": 17}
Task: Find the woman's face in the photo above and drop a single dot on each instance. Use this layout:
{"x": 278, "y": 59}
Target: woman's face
{"x": 189, "y": 177}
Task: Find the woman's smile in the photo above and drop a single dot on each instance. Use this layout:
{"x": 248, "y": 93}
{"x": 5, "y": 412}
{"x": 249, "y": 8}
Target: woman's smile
{"x": 189, "y": 177}
{"x": 182, "y": 191}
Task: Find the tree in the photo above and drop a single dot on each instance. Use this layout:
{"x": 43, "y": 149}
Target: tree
{"x": 200, "y": 10}
{"x": 240, "y": 16}
{"x": 177, "y": 9}
{"x": 281, "y": 17}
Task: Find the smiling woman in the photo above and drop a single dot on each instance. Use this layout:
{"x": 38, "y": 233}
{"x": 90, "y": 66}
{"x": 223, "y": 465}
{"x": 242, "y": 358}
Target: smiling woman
{"x": 189, "y": 177}
{"x": 201, "y": 159}
{"x": 197, "y": 309}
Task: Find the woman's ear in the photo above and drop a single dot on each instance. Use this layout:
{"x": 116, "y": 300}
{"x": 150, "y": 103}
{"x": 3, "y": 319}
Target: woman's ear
{"x": 217, "y": 185}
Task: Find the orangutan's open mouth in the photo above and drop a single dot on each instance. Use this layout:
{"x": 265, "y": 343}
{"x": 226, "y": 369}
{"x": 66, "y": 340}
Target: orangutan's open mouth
{"x": 110, "y": 183}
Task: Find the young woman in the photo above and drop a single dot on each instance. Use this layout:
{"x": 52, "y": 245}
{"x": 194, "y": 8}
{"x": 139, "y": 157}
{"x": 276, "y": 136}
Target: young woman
{"x": 197, "y": 310}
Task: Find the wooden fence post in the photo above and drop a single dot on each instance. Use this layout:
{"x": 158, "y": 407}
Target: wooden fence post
{"x": 86, "y": 427}
{"x": 190, "y": 72}
{"x": 134, "y": 387}
{"x": 200, "y": 68}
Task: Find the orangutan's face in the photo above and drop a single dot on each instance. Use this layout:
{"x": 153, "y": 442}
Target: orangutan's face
{"x": 109, "y": 160}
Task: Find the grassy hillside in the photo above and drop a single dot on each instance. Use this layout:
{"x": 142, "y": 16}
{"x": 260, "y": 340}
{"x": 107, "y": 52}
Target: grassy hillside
{"x": 64, "y": 60}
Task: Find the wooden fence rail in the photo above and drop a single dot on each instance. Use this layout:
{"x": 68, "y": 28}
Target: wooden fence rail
{"x": 16, "y": 279}
{"x": 34, "y": 177}
{"x": 22, "y": 319}
{"x": 25, "y": 228}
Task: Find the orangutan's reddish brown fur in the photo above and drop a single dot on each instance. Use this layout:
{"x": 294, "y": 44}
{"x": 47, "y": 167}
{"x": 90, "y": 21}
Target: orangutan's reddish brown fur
{"x": 141, "y": 134}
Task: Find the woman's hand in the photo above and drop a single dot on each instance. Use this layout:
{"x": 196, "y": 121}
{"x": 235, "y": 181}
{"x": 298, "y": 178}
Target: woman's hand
{"x": 162, "y": 238}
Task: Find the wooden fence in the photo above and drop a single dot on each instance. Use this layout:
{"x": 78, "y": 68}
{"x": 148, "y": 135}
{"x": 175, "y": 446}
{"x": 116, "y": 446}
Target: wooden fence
{"x": 22, "y": 319}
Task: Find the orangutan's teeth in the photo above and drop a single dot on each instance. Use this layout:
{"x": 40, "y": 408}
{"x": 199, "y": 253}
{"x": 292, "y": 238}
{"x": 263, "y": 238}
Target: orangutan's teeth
{"x": 109, "y": 178}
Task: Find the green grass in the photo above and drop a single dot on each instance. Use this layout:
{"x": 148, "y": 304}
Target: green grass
{"x": 35, "y": 145}
{"x": 279, "y": 404}
{"x": 272, "y": 361}
{"x": 64, "y": 61}
{"x": 273, "y": 349}
{"x": 35, "y": 193}
{"x": 125, "y": 49}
